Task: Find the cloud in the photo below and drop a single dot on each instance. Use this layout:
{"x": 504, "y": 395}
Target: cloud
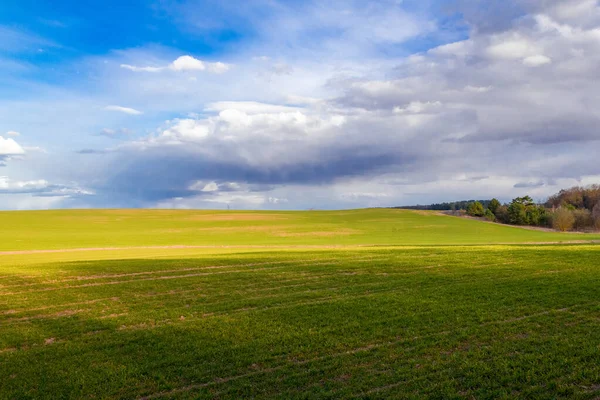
{"x": 8, "y": 149}
{"x": 459, "y": 118}
{"x": 20, "y": 41}
{"x": 184, "y": 63}
{"x": 40, "y": 188}
{"x": 115, "y": 133}
{"x": 347, "y": 104}
{"x": 12, "y": 133}
{"x": 528, "y": 184}
{"x": 126, "y": 110}
{"x": 92, "y": 151}
{"x": 537, "y": 60}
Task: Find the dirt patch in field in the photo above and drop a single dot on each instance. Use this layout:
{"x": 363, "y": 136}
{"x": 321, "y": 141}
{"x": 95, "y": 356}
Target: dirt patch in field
{"x": 425, "y": 213}
{"x": 237, "y": 217}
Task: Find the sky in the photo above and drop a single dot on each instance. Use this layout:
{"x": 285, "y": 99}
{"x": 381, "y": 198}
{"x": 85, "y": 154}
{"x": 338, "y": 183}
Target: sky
{"x": 289, "y": 104}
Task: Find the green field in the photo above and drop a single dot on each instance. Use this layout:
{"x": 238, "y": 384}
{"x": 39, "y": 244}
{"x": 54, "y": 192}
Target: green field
{"x": 126, "y": 304}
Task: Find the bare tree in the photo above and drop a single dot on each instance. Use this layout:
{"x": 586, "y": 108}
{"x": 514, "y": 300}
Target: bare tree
{"x": 563, "y": 220}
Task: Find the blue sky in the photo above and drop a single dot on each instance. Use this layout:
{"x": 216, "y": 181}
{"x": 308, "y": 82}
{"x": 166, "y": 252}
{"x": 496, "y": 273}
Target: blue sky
{"x": 294, "y": 104}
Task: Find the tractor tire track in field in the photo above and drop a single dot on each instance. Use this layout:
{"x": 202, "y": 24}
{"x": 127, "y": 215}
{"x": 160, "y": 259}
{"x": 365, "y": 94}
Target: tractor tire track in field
{"x": 333, "y": 261}
{"x": 361, "y": 349}
{"x": 207, "y": 267}
{"x": 234, "y": 311}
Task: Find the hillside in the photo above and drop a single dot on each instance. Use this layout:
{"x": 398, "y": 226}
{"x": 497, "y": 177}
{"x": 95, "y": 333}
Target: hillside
{"x": 68, "y": 229}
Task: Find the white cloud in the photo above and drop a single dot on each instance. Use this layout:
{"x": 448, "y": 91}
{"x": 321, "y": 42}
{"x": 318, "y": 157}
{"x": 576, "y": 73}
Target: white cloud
{"x": 478, "y": 89}
{"x": 417, "y": 107}
{"x": 210, "y": 187}
{"x": 12, "y": 133}
{"x": 510, "y": 48}
{"x": 184, "y": 63}
{"x": 115, "y": 133}
{"x": 40, "y": 188}
{"x": 8, "y": 147}
{"x": 141, "y": 69}
{"x": 126, "y": 110}
{"x": 537, "y": 60}
{"x": 249, "y": 107}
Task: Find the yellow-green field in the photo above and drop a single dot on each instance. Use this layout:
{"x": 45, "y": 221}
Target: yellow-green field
{"x": 347, "y": 304}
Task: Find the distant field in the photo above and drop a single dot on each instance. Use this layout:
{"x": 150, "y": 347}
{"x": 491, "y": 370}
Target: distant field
{"x": 124, "y": 228}
{"x": 349, "y": 304}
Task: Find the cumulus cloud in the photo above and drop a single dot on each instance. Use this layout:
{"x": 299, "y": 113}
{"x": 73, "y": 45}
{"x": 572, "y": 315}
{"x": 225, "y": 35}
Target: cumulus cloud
{"x": 184, "y": 63}
{"x": 9, "y": 148}
{"x": 126, "y": 110}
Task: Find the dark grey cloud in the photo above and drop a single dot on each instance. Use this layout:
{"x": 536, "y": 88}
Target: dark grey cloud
{"x": 157, "y": 175}
{"x": 529, "y": 184}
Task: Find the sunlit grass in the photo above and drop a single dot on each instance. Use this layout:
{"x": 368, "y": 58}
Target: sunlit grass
{"x": 349, "y": 304}
{"x": 488, "y": 322}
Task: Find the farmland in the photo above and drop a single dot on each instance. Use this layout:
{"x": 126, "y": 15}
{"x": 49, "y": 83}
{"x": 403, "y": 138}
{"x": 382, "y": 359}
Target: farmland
{"x": 347, "y": 304}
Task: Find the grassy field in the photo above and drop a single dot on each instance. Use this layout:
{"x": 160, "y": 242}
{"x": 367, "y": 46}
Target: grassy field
{"x": 122, "y": 228}
{"x": 350, "y": 304}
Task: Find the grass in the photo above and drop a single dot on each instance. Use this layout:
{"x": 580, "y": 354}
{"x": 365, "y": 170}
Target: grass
{"x": 122, "y": 228}
{"x": 448, "y": 316}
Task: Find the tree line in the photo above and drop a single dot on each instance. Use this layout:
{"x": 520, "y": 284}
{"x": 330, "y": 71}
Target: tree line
{"x": 450, "y": 206}
{"x": 577, "y": 208}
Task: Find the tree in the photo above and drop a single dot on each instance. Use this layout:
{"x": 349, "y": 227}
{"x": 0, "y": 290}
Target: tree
{"x": 476, "y": 209}
{"x": 523, "y": 211}
{"x": 536, "y": 215}
{"x": 517, "y": 210}
{"x": 596, "y": 215}
{"x": 493, "y": 206}
{"x": 563, "y": 219}
{"x": 489, "y": 215}
{"x": 502, "y": 215}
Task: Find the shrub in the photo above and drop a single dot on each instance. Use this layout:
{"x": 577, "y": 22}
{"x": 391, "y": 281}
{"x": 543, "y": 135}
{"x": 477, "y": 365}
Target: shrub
{"x": 563, "y": 220}
{"x": 583, "y": 219}
{"x": 489, "y": 215}
{"x": 476, "y": 209}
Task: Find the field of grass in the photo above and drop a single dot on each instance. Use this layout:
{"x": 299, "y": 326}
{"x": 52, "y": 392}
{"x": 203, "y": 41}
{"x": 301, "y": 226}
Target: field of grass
{"x": 122, "y": 228}
{"x": 351, "y": 304}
